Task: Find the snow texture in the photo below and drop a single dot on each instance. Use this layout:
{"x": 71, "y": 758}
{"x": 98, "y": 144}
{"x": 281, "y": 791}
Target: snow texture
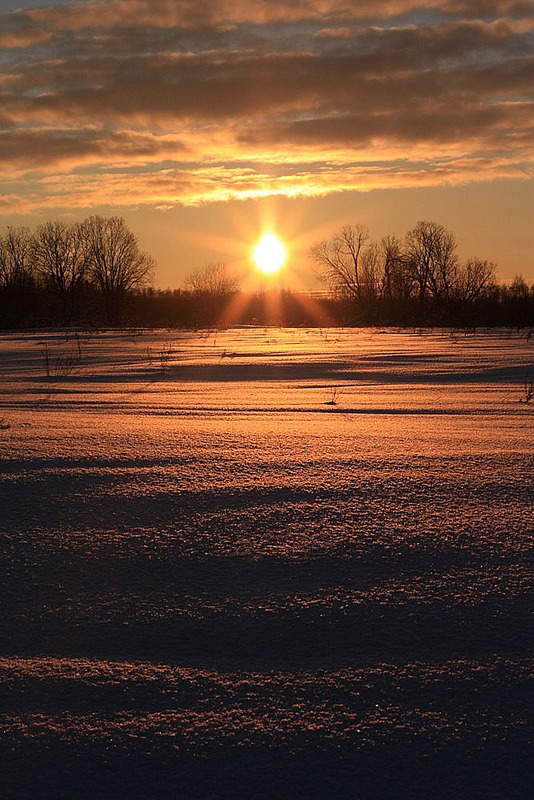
{"x": 262, "y": 563}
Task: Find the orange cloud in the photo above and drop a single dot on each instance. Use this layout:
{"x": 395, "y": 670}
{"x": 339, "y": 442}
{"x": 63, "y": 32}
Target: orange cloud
{"x": 160, "y": 102}
{"x": 192, "y": 186}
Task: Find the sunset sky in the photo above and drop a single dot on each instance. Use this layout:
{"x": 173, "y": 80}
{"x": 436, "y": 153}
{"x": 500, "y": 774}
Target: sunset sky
{"x": 204, "y": 123}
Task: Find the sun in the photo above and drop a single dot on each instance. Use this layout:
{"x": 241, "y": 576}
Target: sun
{"x": 269, "y": 254}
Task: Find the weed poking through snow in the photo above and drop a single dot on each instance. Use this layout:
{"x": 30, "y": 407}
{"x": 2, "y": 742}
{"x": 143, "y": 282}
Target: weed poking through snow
{"x": 334, "y": 395}
{"x": 63, "y": 364}
{"x": 161, "y": 357}
{"x": 528, "y": 389}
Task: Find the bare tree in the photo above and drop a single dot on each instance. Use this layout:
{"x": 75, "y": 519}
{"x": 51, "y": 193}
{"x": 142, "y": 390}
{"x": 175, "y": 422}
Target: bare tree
{"x": 371, "y": 275}
{"x": 474, "y": 278}
{"x": 430, "y": 249}
{"x": 212, "y": 286}
{"x": 398, "y": 278}
{"x": 518, "y": 289}
{"x": 117, "y": 265}
{"x": 213, "y": 279}
{"x": 16, "y": 258}
{"x": 62, "y": 257}
{"x": 339, "y": 260}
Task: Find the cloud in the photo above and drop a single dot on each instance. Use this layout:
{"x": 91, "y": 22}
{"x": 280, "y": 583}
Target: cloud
{"x": 185, "y": 101}
{"x": 22, "y": 38}
{"x": 17, "y": 31}
{"x": 47, "y": 150}
{"x": 195, "y": 14}
{"x": 441, "y": 126}
{"x": 105, "y": 15}
{"x": 219, "y": 183}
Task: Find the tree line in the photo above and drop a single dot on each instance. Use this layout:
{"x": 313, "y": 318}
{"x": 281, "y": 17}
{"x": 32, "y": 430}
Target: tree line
{"x": 76, "y": 269}
{"x": 417, "y": 279}
{"x": 93, "y": 272}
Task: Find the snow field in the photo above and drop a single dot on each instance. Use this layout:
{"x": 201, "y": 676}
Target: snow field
{"x": 234, "y": 553}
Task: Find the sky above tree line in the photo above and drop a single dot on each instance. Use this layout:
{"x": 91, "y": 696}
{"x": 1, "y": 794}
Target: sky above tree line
{"x": 206, "y": 123}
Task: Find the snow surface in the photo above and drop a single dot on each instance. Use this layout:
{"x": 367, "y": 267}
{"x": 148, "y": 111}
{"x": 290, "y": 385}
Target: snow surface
{"x": 265, "y": 563}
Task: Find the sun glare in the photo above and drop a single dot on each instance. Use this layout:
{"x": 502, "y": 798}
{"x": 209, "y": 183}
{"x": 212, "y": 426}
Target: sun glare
{"x": 270, "y": 254}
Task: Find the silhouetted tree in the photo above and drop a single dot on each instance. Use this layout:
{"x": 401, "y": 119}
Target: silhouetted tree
{"x": 214, "y": 279}
{"x": 431, "y": 253}
{"x": 474, "y": 278}
{"x": 17, "y": 282}
{"x": 62, "y": 257}
{"x": 519, "y": 303}
{"x": 375, "y": 276}
{"x": 211, "y": 287}
{"x": 16, "y": 258}
{"x": 339, "y": 260}
{"x": 117, "y": 265}
{"x": 519, "y": 289}
{"x": 413, "y": 280}
{"x": 398, "y": 280}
